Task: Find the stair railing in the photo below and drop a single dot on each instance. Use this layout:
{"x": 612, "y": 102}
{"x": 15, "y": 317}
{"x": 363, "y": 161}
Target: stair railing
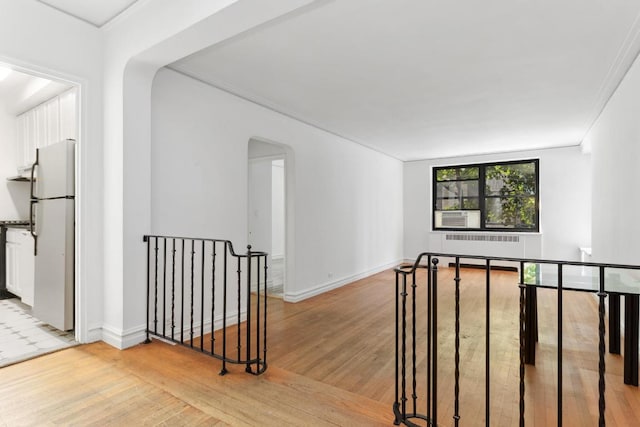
{"x": 412, "y": 409}
{"x": 203, "y": 295}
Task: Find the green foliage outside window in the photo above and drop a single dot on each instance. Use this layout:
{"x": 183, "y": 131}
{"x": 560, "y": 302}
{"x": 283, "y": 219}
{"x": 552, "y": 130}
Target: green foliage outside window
{"x": 510, "y": 192}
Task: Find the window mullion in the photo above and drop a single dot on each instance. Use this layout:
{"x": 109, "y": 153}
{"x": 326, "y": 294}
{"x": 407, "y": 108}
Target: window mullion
{"x": 481, "y": 194}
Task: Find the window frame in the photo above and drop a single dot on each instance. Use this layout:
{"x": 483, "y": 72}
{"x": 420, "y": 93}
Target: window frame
{"x": 482, "y": 167}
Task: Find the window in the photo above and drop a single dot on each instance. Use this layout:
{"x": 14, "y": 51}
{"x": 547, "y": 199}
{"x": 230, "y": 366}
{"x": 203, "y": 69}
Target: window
{"x": 491, "y": 196}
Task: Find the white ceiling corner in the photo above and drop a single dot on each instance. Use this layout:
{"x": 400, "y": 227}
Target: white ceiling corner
{"x": 95, "y": 12}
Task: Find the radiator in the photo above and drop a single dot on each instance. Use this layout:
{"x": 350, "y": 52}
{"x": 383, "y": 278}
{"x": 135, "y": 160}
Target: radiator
{"x": 506, "y": 245}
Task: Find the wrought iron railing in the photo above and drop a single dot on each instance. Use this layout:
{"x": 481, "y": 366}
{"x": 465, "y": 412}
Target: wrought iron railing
{"x": 417, "y": 353}
{"x": 204, "y": 296}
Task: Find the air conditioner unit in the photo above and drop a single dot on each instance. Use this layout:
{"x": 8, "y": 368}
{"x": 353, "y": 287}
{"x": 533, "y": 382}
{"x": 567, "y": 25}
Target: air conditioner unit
{"x": 455, "y": 219}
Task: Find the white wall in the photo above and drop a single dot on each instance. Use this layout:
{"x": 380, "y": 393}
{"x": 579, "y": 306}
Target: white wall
{"x": 14, "y": 196}
{"x": 565, "y": 201}
{"x": 38, "y": 38}
{"x": 348, "y": 207}
{"x": 277, "y": 209}
{"x": 615, "y": 145}
{"x": 145, "y": 38}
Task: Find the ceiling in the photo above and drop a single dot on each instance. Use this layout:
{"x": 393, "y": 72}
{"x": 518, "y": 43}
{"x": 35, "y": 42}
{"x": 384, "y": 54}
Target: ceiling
{"x": 20, "y": 92}
{"x": 422, "y": 79}
{"x": 95, "y": 12}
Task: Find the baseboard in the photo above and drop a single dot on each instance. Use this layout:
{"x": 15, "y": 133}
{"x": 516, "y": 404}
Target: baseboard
{"x": 134, "y": 336}
{"x": 94, "y": 334}
{"x": 325, "y": 287}
{"x": 123, "y": 339}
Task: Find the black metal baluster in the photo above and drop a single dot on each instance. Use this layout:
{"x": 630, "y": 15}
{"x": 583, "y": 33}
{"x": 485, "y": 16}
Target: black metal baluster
{"x": 559, "y": 345}
{"x": 404, "y": 347}
{"x": 155, "y": 290}
{"x": 414, "y": 394}
{"x": 239, "y": 291}
{"x": 146, "y": 240}
{"x": 202, "y": 298}
{"x": 182, "y": 294}
{"x": 456, "y": 392}
{"x": 224, "y": 311}
{"x": 173, "y": 287}
{"x": 164, "y": 287}
{"x": 435, "y": 342}
{"x": 487, "y": 345}
{"x": 193, "y": 255}
{"x": 601, "y": 350}
{"x": 522, "y": 342}
{"x": 213, "y": 295}
{"x": 258, "y": 313}
{"x": 248, "y": 322}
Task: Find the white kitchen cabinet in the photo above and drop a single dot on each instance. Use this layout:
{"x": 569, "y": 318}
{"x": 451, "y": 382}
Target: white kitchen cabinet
{"x": 52, "y": 122}
{"x": 11, "y": 254}
{"x": 27, "y": 134}
{"x": 68, "y": 107}
{"x": 46, "y": 124}
{"x": 20, "y": 263}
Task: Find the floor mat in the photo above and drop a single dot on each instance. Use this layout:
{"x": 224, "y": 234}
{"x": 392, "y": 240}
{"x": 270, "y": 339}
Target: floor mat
{"x": 23, "y": 337}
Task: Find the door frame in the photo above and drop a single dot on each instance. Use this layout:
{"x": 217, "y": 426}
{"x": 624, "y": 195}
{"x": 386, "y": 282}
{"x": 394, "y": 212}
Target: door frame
{"x": 287, "y": 154}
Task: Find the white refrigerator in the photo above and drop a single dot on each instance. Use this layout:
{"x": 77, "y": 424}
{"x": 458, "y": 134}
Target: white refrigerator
{"x": 52, "y": 227}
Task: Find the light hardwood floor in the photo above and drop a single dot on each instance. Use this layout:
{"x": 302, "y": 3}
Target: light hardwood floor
{"x": 331, "y": 362}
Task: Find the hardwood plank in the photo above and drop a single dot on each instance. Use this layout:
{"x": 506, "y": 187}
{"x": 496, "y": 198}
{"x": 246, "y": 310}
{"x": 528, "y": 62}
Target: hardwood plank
{"x": 331, "y": 362}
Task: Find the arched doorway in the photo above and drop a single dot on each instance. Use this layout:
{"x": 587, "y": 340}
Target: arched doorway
{"x": 268, "y": 172}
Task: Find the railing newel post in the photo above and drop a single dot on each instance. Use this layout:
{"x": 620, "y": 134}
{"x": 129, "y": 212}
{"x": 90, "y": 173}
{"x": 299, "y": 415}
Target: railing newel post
{"x": 521, "y": 332}
{"x": 396, "y": 409}
{"x": 223, "y": 371}
{"x": 146, "y": 240}
{"x": 560, "y": 315}
{"x": 488, "y": 344}
{"x": 434, "y": 338}
{"x": 248, "y": 321}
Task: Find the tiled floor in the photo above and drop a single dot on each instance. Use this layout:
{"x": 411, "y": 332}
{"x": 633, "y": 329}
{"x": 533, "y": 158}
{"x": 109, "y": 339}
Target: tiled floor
{"x": 22, "y": 336}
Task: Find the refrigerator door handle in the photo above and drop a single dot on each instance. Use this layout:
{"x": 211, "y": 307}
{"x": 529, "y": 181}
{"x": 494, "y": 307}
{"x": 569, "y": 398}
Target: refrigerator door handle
{"x": 33, "y": 176}
{"x": 32, "y": 210}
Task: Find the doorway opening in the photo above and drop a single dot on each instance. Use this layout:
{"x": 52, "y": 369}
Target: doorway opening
{"x": 37, "y": 112}
{"x": 267, "y": 206}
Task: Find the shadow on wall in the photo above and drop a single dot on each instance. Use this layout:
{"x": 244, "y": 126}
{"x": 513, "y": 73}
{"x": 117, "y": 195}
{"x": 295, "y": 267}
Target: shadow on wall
{"x": 19, "y": 193}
